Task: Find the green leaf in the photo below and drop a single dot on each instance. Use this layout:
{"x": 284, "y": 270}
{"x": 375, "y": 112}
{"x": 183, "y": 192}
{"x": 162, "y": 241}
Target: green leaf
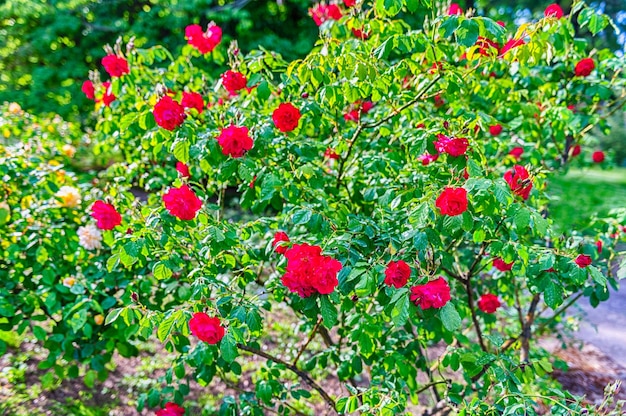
{"x": 553, "y": 295}
{"x": 522, "y": 218}
{"x": 412, "y": 5}
{"x": 113, "y": 315}
{"x": 597, "y": 276}
{"x": 450, "y": 317}
{"x": 388, "y": 8}
{"x": 165, "y": 327}
{"x": 400, "y": 311}
{"x": 467, "y": 33}
{"x": 161, "y": 271}
{"x": 328, "y": 311}
{"x": 302, "y": 216}
{"x": 180, "y": 149}
{"x": 228, "y": 348}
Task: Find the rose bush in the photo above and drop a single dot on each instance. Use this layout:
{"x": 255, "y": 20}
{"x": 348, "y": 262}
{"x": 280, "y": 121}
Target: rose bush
{"x": 407, "y": 221}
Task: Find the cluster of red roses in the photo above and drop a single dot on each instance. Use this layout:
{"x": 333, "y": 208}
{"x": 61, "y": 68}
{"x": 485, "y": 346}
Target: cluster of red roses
{"x": 324, "y": 12}
{"x": 116, "y": 66}
{"x": 204, "y": 40}
{"x": 308, "y": 271}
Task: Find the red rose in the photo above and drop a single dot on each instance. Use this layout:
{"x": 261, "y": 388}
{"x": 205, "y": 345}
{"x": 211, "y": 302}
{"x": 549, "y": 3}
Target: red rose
{"x": 182, "y": 203}
{"x": 183, "y": 169}
{"x": 235, "y": 141}
{"x": 352, "y": 115}
{"x": 517, "y": 152}
{"x": 106, "y": 216}
{"x": 309, "y": 272}
{"x": 360, "y": 33}
{"x": 171, "y": 409}
{"x": 234, "y": 81}
{"x": 598, "y": 157}
{"x": 88, "y": 90}
{"x": 455, "y": 9}
{"x": 168, "y": 113}
{"x": 488, "y": 303}
{"x": 439, "y": 101}
{"x": 193, "y": 100}
{"x": 519, "y": 181}
{"x": 584, "y": 67}
{"x": 495, "y": 129}
{"x": 452, "y": 201}
{"x": 576, "y": 150}
{"x": 427, "y": 158}
{"x": 321, "y": 13}
{"x": 512, "y": 43}
{"x": 279, "y": 238}
{"x": 107, "y": 95}
{"x": 454, "y": 147}
{"x": 397, "y": 274}
{"x": 349, "y": 3}
{"x": 553, "y": 10}
{"x": 330, "y": 154}
{"x": 582, "y": 261}
{"x": 365, "y": 106}
{"x": 434, "y": 294}
{"x": 286, "y": 117}
{"x": 115, "y": 65}
{"x": 206, "y": 328}
{"x": 204, "y": 41}
{"x": 501, "y": 265}
{"x": 599, "y": 245}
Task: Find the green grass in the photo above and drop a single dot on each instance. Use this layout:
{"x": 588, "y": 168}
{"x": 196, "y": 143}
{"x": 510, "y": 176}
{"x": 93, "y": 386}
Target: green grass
{"x": 582, "y": 193}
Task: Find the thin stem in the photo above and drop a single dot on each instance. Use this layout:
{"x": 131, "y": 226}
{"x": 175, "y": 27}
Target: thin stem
{"x": 306, "y": 344}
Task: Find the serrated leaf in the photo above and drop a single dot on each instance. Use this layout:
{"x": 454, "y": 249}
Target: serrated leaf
{"x": 400, "y": 311}
{"x": 467, "y": 33}
{"x": 553, "y": 295}
{"x": 328, "y": 311}
{"x": 450, "y": 317}
{"x": 228, "y": 348}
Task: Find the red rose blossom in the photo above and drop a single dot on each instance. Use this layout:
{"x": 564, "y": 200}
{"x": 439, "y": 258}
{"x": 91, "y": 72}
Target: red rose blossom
{"x": 519, "y": 181}
{"x": 598, "y": 156}
{"x": 286, "y": 117}
{"x": 452, "y": 201}
{"x": 488, "y": 303}
{"x": 576, "y": 150}
{"x": 397, "y": 274}
{"x": 322, "y": 12}
{"x": 204, "y": 41}
{"x": 183, "y": 169}
{"x": 107, "y": 95}
{"x": 193, "y": 100}
{"x": 501, "y": 265}
{"x": 582, "y": 261}
{"x": 584, "y": 67}
{"x": 106, "y": 216}
{"x": 360, "y": 33}
{"x": 517, "y": 152}
{"x": 234, "y": 81}
{"x": 88, "y": 90}
{"x": 427, "y": 158}
{"x": 454, "y": 147}
{"x": 553, "y": 10}
{"x": 455, "y": 9}
{"x": 116, "y": 66}
{"x": 168, "y": 113}
{"x": 309, "y": 272}
{"x": 279, "y": 238}
{"x": 434, "y": 294}
{"x": 171, "y": 409}
{"x": 495, "y": 130}
{"x": 349, "y": 3}
{"x": 182, "y": 203}
{"x": 235, "y": 141}
{"x": 206, "y": 328}
{"x": 330, "y": 154}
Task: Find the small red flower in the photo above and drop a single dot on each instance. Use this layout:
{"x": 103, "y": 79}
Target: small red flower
{"x": 598, "y": 156}
{"x": 106, "y": 216}
{"x": 576, "y": 150}
{"x": 349, "y": 3}
{"x": 452, "y": 201}
{"x": 360, "y": 33}
{"x": 434, "y": 294}
{"x": 584, "y": 67}
{"x": 397, "y": 274}
{"x": 206, "y": 328}
{"x": 501, "y": 265}
{"x": 321, "y": 13}
{"x": 427, "y": 158}
{"x": 286, "y": 117}
{"x": 455, "y": 9}
{"x": 330, "y": 154}
{"x": 107, "y": 95}
{"x": 517, "y": 152}
{"x": 183, "y": 169}
{"x": 115, "y": 65}
{"x": 168, "y": 113}
{"x": 439, "y": 101}
{"x": 234, "y": 81}
{"x": 454, "y": 147}
{"x": 182, "y": 203}
{"x": 599, "y": 246}
{"x": 88, "y": 90}
{"x": 495, "y": 130}
{"x": 279, "y": 238}
{"x": 235, "y": 141}
{"x": 488, "y": 303}
{"x": 582, "y": 261}
{"x": 171, "y": 409}
{"x": 204, "y": 41}
{"x": 553, "y": 10}
{"x": 193, "y": 100}
{"x": 519, "y": 181}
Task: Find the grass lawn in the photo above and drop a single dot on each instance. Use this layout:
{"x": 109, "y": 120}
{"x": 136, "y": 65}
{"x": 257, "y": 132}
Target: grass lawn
{"x": 582, "y": 193}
